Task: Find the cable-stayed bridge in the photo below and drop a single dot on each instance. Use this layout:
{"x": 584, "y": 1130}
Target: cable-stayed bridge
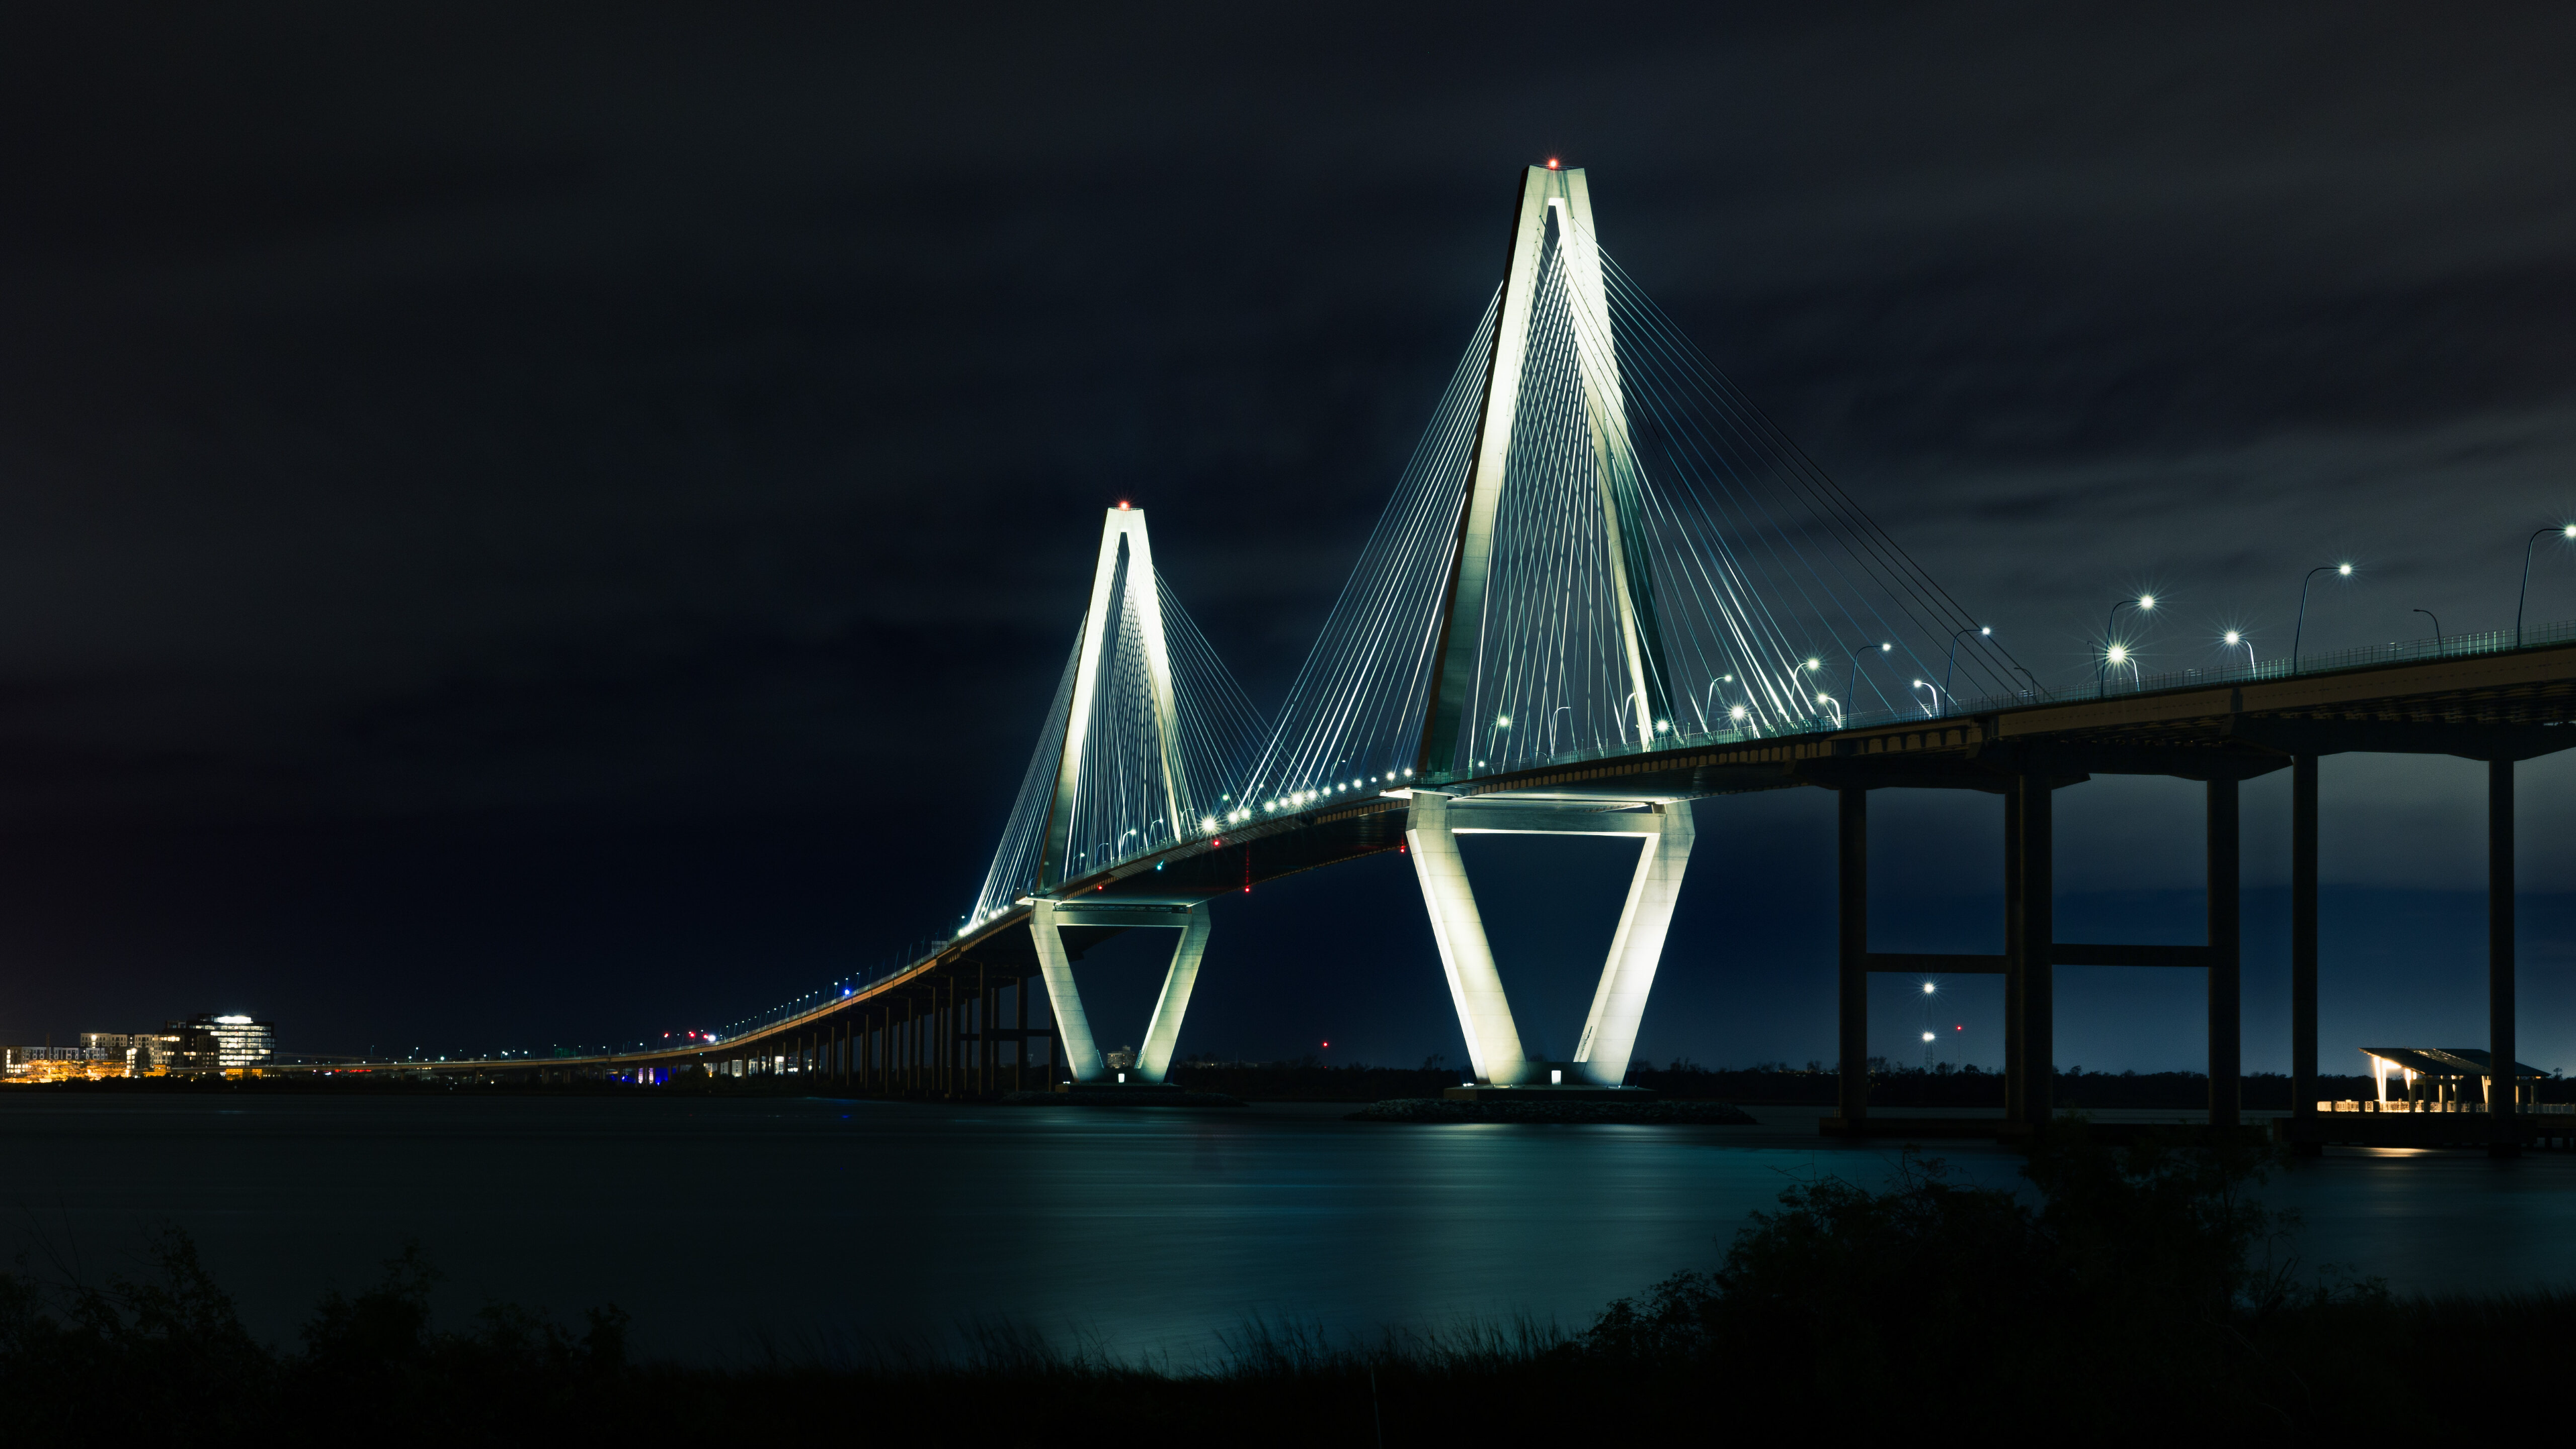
{"x": 1604, "y": 587}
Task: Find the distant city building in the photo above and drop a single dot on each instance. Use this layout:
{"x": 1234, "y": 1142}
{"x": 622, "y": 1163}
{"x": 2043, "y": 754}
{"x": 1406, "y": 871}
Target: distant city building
{"x": 138, "y": 1051}
{"x": 100, "y": 1054}
{"x": 201, "y": 1043}
{"x": 208, "y": 1043}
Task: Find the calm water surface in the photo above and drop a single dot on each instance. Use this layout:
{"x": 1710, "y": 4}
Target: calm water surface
{"x": 713, "y": 1222}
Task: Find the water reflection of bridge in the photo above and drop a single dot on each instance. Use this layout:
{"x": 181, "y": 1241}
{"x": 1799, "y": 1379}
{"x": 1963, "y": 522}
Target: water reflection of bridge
{"x": 1606, "y": 588}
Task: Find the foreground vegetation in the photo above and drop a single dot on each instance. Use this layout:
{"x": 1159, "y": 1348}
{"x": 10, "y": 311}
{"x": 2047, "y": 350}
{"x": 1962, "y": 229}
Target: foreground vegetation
{"x": 2130, "y": 1295}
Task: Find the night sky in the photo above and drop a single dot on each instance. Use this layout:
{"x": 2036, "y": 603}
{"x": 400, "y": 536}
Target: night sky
{"x": 525, "y": 526}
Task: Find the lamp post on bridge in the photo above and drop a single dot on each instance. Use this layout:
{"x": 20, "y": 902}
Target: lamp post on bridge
{"x": 2566, "y": 531}
{"x": 2114, "y": 652}
{"x": 1851, "y": 684}
{"x": 2235, "y": 639}
{"x": 2437, "y": 624}
{"x": 1708, "y": 696}
{"x": 1981, "y": 631}
{"x": 1811, "y": 665}
{"x": 2342, "y": 571}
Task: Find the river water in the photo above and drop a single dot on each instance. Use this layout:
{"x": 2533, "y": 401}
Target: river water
{"x": 721, "y": 1225}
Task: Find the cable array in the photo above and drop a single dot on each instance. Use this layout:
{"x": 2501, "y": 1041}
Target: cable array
{"x": 1664, "y": 566}
{"x": 1135, "y": 791}
{"x": 1353, "y": 717}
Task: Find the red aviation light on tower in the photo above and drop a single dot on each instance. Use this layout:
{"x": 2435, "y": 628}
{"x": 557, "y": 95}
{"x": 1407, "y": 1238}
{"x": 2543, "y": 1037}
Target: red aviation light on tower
{"x": 1551, "y": 163}
{"x": 1122, "y": 505}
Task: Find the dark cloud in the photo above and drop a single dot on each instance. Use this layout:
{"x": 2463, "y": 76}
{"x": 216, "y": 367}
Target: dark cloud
{"x": 500, "y": 423}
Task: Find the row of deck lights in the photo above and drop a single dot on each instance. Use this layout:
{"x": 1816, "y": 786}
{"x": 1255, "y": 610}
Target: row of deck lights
{"x": 1298, "y": 799}
{"x": 2116, "y": 652}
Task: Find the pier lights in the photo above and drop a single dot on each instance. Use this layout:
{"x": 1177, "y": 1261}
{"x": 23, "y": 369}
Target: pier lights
{"x": 2115, "y": 652}
{"x": 2563, "y": 531}
{"x": 2341, "y": 571}
{"x": 2235, "y": 639}
{"x": 1982, "y": 631}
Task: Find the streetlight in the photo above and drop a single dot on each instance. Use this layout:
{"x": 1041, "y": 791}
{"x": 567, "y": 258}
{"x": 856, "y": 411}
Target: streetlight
{"x": 2235, "y": 639}
{"x": 2118, "y": 653}
{"x": 1981, "y": 631}
{"x": 2341, "y": 571}
{"x": 1708, "y": 696}
{"x": 2569, "y": 531}
{"x": 1851, "y": 685}
{"x": 1838, "y": 708}
{"x": 1930, "y": 710}
{"x": 2437, "y": 625}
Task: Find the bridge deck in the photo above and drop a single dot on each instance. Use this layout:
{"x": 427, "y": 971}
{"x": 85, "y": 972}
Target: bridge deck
{"x": 2511, "y": 704}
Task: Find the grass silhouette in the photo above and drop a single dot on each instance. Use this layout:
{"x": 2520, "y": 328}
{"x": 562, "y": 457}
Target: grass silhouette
{"x": 2128, "y": 1294}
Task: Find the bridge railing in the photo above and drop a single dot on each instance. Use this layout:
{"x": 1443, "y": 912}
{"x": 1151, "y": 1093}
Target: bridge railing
{"x": 2336, "y": 661}
{"x": 2115, "y": 683}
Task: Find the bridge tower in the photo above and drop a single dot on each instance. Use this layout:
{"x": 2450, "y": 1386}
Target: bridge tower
{"x": 1125, "y": 616}
{"x": 1553, "y": 270}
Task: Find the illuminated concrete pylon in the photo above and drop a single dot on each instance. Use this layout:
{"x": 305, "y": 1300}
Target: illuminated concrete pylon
{"x": 1433, "y": 823}
{"x": 1122, "y": 532}
{"x": 1555, "y": 217}
{"x": 1163, "y": 1031}
{"x": 1555, "y": 260}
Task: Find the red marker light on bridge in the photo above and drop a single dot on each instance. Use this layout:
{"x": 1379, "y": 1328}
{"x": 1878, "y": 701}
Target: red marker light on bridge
{"x": 1551, "y": 163}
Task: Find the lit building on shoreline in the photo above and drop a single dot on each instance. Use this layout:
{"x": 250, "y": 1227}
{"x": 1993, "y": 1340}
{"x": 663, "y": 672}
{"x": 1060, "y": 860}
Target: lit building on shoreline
{"x": 203, "y": 1043}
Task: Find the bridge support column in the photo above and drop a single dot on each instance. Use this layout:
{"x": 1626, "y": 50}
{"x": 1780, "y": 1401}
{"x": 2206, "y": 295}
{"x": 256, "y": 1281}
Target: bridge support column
{"x": 1851, "y": 976}
{"x": 1609, "y": 1036}
{"x": 2226, "y": 1023}
{"x": 1078, "y": 1054}
{"x": 1163, "y": 1031}
{"x": 2304, "y": 1127}
{"x": 1466, "y": 957}
{"x": 2013, "y": 1076}
{"x": 1078, "y": 1050}
{"x": 2504, "y": 1081}
{"x": 2030, "y": 969}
